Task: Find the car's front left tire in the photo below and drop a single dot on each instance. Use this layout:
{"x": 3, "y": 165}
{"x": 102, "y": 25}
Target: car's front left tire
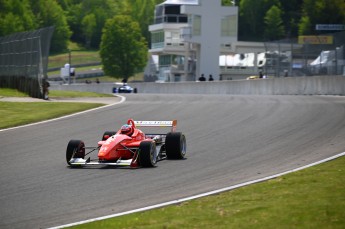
{"x": 75, "y": 149}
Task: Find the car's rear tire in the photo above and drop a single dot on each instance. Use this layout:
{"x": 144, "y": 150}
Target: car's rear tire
{"x": 76, "y": 146}
{"x": 109, "y": 134}
{"x": 175, "y": 145}
{"x": 147, "y": 154}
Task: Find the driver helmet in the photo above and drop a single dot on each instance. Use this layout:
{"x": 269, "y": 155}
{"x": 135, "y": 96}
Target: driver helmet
{"x": 127, "y": 129}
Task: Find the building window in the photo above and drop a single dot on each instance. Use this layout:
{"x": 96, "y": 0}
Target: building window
{"x": 164, "y": 60}
{"x": 172, "y": 38}
{"x": 167, "y": 60}
{"x": 229, "y": 26}
{"x": 176, "y": 37}
{"x": 196, "y": 25}
{"x": 157, "y": 39}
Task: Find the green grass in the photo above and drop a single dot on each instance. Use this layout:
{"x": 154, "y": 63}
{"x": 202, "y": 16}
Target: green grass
{"x": 108, "y": 79}
{"x": 75, "y": 94}
{"x": 78, "y": 69}
{"x": 82, "y": 56}
{"x": 77, "y": 57}
{"x": 102, "y": 79}
{"x": 75, "y": 46}
{"x": 7, "y": 92}
{"x": 21, "y": 113}
{"x": 136, "y": 77}
{"x": 311, "y": 198}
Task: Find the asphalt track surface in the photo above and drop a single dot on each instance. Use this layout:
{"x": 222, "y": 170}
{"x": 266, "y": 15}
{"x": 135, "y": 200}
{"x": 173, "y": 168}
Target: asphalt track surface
{"x": 230, "y": 140}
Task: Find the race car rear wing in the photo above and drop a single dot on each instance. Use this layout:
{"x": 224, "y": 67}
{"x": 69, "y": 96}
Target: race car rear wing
{"x": 171, "y": 124}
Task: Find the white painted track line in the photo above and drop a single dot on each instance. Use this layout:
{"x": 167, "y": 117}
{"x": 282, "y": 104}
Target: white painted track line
{"x": 200, "y": 195}
{"x": 123, "y": 99}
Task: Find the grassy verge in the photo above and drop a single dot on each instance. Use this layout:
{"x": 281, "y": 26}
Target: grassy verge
{"x": 136, "y": 77}
{"x": 108, "y": 79}
{"x": 78, "y": 70}
{"x": 75, "y": 94}
{"x": 311, "y": 198}
{"x": 77, "y": 57}
{"x": 21, "y": 113}
{"x": 7, "y": 92}
{"x": 80, "y": 55}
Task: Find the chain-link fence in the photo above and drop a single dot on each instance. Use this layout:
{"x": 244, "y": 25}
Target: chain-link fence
{"x": 309, "y": 55}
{"x": 24, "y": 60}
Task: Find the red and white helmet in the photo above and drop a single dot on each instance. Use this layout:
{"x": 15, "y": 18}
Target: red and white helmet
{"x": 127, "y": 129}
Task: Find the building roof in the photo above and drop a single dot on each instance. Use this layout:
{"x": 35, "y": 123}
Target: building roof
{"x": 182, "y": 2}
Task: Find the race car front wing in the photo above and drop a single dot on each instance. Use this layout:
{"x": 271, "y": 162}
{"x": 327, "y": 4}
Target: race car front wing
{"x": 133, "y": 162}
{"x": 119, "y": 162}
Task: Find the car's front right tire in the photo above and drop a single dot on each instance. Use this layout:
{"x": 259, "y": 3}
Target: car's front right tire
{"x": 175, "y": 145}
{"x": 147, "y": 154}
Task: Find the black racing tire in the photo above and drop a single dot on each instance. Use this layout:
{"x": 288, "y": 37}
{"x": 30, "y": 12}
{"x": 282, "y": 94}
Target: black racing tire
{"x": 109, "y": 133}
{"x": 147, "y": 154}
{"x": 175, "y": 145}
{"x": 76, "y": 146}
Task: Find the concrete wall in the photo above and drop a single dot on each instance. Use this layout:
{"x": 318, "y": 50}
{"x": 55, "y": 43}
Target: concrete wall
{"x": 315, "y": 85}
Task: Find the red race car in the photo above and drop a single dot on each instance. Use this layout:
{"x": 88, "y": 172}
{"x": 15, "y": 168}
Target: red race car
{"x": 130, "y": 146}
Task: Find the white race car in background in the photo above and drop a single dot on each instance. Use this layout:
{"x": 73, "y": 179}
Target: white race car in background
{"x": 124, "y": 88}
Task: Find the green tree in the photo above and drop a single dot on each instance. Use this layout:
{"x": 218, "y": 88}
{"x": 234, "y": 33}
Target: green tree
{"x": 141, "y": 11}
{"x": 102, "y": 10}
{"x": 64, "y": 4}
{"x": 16, "y": 16}
{"x": 50, "y": 13}
{"x": 227, "y": 2}
{"x": 88, "y": 28}
{"x": 251, "y": 18}
{"x": 74, "y": 16}
{"x": 321, "y": 12}
{"x": 274, "y": 28}
{"x": 123, "y": 49}
{"x": 101, "y": 17}
{"x": 305, "y": 26}
{"x": 291, "y": 16}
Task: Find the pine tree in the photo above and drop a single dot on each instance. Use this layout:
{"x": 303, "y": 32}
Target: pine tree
{"x": 274, "y": 28}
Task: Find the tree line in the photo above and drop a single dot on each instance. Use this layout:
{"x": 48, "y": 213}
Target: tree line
{"x": 83, "y": 21}
{"x": 277, "y": 19}
{"x": 80, "y": 21}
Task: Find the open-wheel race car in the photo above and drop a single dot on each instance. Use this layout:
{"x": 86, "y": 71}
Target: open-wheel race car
{"x": 130, "y": 146}
{"x": 124, "y": 88}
